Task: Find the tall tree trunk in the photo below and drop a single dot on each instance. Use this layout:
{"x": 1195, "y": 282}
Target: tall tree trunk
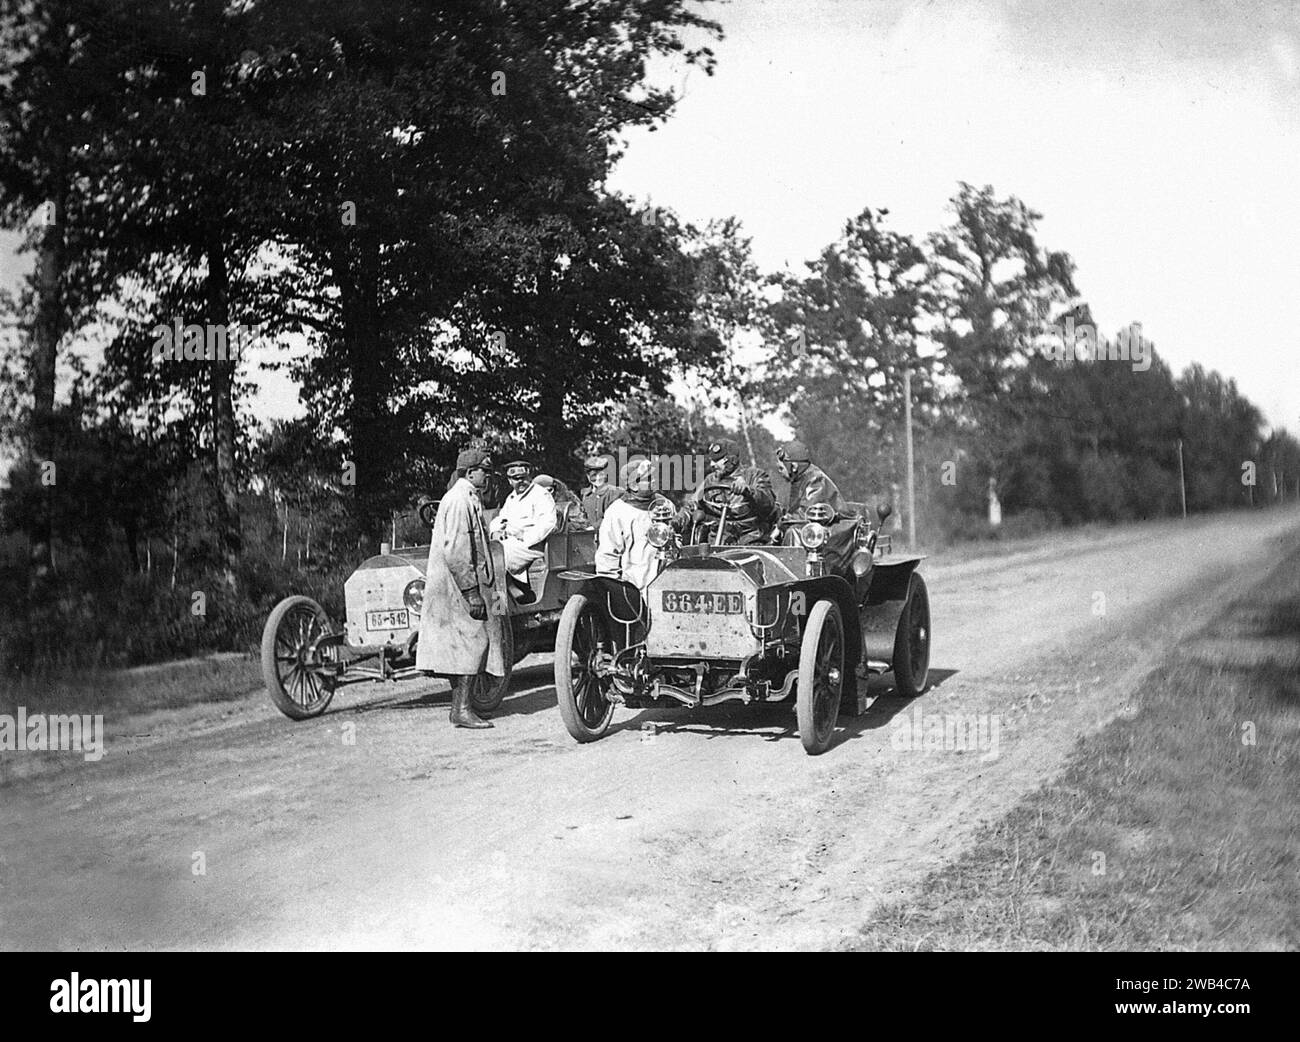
{"x": 356, "y": 273}
{"x": 48, "y": 325}
{"x": 229, "y": 537}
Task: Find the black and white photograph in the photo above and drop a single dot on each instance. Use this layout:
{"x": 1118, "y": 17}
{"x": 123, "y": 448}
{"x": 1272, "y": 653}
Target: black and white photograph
{"x": 650, "y": 476}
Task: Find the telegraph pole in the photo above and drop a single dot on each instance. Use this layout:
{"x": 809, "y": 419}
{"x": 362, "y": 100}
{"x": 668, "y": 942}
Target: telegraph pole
{"x": 911, "y": 483}
{"x": 1182, "y": 482}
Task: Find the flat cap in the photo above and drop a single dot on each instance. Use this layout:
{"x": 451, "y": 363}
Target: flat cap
{"x": 474, "y": 456}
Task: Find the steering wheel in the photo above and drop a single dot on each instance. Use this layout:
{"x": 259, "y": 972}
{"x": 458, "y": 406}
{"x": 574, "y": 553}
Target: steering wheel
{"x": 428, "y": 511}
{"x": 714, "y": 498}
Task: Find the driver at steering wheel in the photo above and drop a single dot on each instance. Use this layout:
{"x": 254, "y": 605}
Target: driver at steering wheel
{"x": 747, "y": 491}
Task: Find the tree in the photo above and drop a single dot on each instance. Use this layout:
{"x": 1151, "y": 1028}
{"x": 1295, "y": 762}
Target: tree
{"x": 731, "y": 318}
{"x": 996, "y": 288}
{"x": 848, "y": 330}
{"x": 58, "y": 67}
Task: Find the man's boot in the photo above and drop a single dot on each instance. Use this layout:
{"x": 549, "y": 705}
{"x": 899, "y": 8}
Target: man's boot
{"x": 461, "y": 714}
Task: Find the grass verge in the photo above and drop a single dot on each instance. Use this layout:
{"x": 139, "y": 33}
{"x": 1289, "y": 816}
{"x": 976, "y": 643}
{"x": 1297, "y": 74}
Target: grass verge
{"x": 1177, "y": 828}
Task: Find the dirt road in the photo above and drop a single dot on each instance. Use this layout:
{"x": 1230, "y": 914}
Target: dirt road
{"x": 379, "y": 825}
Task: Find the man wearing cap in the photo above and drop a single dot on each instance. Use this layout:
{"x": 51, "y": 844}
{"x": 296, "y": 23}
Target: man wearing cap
{"x": 809, "y": 484}
{"x": 459, "y": 636}
{"x": 623, "y": 548}
{"x": 751, "y": 504}
{"x": 599, "y": 492}
{"x": 526, "y": 519}
{"x": 492, "y": 494}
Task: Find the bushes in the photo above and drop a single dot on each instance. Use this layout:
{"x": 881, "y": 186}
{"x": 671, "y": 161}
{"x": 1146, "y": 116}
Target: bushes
{"x": 98, "y": 613}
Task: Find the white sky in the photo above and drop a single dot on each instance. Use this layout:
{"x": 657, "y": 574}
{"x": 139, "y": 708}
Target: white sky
{"x": 1160, "y": 141}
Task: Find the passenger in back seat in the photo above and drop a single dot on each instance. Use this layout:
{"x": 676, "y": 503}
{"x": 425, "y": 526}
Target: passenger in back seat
{"x": 526, "y": 520}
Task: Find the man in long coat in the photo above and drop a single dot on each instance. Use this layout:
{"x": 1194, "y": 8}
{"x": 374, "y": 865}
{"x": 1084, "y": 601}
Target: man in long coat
{"x": 464, "y": 593}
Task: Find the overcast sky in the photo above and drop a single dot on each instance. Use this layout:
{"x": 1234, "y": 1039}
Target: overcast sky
{"x": 1160, "y": 141}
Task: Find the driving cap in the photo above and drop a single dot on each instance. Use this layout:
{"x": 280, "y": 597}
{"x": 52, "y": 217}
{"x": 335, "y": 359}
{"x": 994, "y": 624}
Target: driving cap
{"x": 723, "y": 448}
{"x": 596, "y": 462}
{"x": 474, "y": 456}
{"x": 795, "y": 452}
{"x": 517, "y": 462}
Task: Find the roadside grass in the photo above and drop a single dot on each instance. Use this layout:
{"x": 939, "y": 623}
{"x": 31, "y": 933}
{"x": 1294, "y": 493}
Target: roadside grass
{"x": 168, "y": 685}
{"x": 1168, "y": 830}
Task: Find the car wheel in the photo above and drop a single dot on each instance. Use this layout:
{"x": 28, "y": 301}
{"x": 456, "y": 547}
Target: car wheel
{"x": 912, "y": 642}
{"x": 584, "y": 699}
{"x": 821, "y": 677}
{"x": 293, "y": 667}
{"x": 490, "y": 694}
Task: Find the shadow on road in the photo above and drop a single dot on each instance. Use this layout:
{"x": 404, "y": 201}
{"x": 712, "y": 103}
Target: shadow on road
{"x": 774, "y": 723}
{"x": 532, "y": 690}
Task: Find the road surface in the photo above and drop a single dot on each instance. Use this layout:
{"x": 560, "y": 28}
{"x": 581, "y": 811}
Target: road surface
{"x": 378, "y": 825}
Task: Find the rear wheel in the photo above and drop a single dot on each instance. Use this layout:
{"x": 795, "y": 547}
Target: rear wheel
{"x": 912, "y": 642}
{"x": 492, "y": 691}
{"x": 821, "y": 677}
{"x": 583, "y": 695}
{"x": 293, "y": 667}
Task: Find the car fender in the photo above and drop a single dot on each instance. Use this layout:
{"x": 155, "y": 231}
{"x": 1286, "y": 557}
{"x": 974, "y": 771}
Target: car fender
{"x": 883, "y": 605}
{"x": 826, "y": 587}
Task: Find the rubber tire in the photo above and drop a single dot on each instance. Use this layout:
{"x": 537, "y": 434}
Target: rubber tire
{"x": 489, "y": 695}
{"x": 578, "y": 728}
{"x": 271, "y": 675}
{"x": 907, "y": 684}
{"x": 824, "y": 613}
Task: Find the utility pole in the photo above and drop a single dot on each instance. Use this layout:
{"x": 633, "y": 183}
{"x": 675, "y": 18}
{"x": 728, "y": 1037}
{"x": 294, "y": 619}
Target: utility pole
{"x": 911, "y": 483}
{"x": 1182, "y": 482}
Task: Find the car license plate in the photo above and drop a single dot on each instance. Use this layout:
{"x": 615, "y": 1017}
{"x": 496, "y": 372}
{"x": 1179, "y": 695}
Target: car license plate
{"x": 397, "y": 619}
{"x": 699, "y": 602}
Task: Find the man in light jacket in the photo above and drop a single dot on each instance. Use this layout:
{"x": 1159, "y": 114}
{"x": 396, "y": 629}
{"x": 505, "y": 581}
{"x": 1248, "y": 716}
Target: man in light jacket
{"x": 526, "y": 520}
{"x": 464, "y": 594}
{"x": 623, "y": 548}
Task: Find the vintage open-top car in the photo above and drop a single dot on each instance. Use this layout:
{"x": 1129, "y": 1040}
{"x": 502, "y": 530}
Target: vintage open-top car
{"x": 752, "y": 623}
{"x": 305, "y": 656}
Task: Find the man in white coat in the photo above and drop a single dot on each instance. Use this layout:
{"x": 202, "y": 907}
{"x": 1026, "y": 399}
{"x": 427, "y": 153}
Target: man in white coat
{"x": 460, "y": 634}
{"x": 526, "y": 519}
{"x": 623, "y": 548}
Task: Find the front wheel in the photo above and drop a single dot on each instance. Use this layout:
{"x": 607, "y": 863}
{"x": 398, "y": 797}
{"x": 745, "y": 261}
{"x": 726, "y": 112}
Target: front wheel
{"x": 583, "y": 694}
{"x": 821, "y": 677}
{"x": 297, "y": 677}
{"x": 912, "y": 642}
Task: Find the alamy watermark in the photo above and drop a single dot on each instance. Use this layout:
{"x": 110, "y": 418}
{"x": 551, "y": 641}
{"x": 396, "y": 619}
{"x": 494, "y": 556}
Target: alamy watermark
{"x": 1068, "y": 342}
{"x": 947, "y": 732}
{"x": 130, "y": 995}
{"x": 670, "y": 472}
{"x": 210, "y": 342}
{"x": 39, "y": 732}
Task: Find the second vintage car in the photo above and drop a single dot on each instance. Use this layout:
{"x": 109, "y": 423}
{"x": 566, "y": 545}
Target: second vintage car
{"x": 306, "y": 656}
